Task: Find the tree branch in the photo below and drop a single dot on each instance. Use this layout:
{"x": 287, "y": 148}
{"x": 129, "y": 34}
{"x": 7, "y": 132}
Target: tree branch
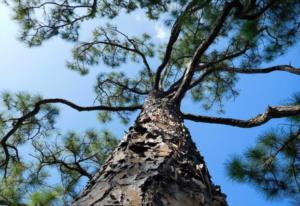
{"x": 286, "y": 143}
{"x": 270, "y": 113}
{"x": 241, "y": 12}
{"x": 142, "y": 55}
{"x": 36, "y": 109}
{"x": 284, "y": 68}
{"x": 124, "y": 87}
{"x": 175, "y": 31}
{"x": 114, "y": 43}
{"x": 38, "y": 105}
{"x": 189, "y": 72}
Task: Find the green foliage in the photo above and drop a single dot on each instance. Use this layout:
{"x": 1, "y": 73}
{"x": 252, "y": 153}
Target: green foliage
{"x": 273, "y": 164}
{"x": 215, "y": 89}
{"x": 46, "y": 197}
{"x": 73, "y": 156}
{"x": 249, "y": 30}
{"x": 76, "y": 158}
{"x": 117, "y": 89}
{"x": 112, "y": 47}
{"x": 42, "y": 20}
{"x": 255, "y": 40}
{"x": 236, "y": 169}
{"x": 18, "y": 105}
{"x": 9, "y": 191}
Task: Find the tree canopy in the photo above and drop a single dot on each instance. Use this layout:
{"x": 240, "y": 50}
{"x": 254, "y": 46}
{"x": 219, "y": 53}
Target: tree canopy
{"x": 210, "y": 44}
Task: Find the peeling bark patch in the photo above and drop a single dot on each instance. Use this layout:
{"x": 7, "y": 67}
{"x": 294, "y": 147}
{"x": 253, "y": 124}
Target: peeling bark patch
{"x": 156, "y": 164}
{"x": 164, "y": 150}
{"x": 138, "y": 148}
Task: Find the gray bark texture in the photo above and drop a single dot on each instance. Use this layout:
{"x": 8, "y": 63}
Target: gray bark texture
{"x": 156, "y": 164}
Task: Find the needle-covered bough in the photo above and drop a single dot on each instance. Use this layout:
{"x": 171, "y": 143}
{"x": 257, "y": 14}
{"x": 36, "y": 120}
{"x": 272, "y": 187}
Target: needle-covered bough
{"x": 210, "y": 44}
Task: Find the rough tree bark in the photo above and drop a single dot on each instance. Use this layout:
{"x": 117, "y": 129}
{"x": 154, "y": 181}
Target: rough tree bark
{"x": 156, "y": 163}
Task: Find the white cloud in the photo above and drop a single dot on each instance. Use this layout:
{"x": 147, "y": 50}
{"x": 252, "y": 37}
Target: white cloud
{"x": 173, "y": 6}
{"x": 160, "y": 31}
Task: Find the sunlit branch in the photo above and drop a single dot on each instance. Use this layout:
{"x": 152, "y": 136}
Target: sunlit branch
{"x": 270, "y": 113}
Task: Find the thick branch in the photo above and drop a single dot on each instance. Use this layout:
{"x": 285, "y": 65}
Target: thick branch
{"x": 270, "y": 113}
{"x": 174, "y": 36}
{"x": 285, "y": 68}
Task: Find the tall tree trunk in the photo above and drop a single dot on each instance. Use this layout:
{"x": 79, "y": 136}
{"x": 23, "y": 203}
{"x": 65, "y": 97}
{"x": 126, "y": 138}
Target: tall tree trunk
{"x": 156, "y": 164}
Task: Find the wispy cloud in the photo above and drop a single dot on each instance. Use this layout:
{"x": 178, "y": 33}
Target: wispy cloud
{"x": 161, "y": 32}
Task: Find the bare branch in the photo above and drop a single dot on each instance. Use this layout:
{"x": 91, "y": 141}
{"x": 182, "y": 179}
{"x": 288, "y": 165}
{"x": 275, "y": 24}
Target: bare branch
{"x": 206, "y": 72}
{"x": 174, "y": 35}
{"x": 64, "y": 4}
{"x": 270, "y": 113}
{"x": 285, "y": 68}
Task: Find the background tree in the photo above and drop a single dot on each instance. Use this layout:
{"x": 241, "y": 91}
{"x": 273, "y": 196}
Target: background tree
{"x": 194, "y": 63}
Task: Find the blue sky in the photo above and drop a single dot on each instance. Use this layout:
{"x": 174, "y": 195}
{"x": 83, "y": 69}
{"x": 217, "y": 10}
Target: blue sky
{"x": 42, "y": 70}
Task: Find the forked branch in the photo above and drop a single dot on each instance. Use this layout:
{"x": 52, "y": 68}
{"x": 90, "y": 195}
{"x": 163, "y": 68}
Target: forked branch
{"x": 175, "y": 31}
{"x": 189, "y": 72}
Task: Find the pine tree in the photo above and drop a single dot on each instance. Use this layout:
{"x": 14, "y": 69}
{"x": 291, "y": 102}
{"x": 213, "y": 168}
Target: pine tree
{"x": 156, "y": 163}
